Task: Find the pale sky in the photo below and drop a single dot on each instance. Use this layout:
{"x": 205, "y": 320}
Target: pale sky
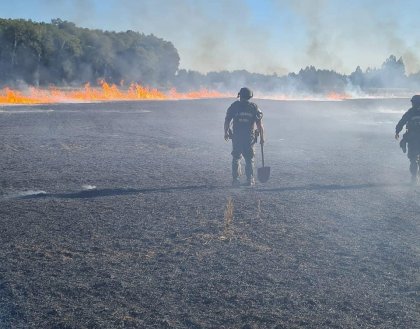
{"x": 263, "y": 36}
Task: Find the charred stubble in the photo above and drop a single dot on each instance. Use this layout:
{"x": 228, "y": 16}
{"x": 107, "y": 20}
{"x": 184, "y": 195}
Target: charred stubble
{"x": 331, "y": 241}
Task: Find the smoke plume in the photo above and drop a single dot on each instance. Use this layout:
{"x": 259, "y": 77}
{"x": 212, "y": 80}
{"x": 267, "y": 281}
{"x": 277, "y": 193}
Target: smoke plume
{"x": 275, "y": 36}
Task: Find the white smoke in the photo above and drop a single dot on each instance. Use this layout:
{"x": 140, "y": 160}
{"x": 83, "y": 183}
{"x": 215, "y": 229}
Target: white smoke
{"x": 272, "y": 36}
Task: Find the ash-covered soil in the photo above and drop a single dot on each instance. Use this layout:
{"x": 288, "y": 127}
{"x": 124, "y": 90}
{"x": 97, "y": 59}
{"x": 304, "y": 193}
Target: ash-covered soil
{"x": 113, "y": 216}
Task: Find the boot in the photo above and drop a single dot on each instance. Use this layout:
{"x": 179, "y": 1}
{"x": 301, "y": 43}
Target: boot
{"x": 250, "y": 181}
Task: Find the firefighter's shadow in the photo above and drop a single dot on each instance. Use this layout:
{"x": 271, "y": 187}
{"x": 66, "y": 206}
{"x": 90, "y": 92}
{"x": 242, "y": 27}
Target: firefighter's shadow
{"x": 109, "y": 192}
{"x": 330, "y": 187}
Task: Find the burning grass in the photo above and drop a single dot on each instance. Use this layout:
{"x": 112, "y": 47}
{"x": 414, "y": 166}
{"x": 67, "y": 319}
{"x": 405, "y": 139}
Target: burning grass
{"x": 105, "y": 92}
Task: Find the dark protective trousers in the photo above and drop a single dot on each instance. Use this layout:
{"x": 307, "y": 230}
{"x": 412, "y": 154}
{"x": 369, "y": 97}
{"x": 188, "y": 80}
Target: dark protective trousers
{"x": 413, "y": 154}
{"x": 245, "y": 149}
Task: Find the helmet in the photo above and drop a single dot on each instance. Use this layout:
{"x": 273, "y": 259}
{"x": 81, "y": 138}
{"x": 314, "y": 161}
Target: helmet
{"x": 415, "y": 100}
{"x": 245, "y": 93}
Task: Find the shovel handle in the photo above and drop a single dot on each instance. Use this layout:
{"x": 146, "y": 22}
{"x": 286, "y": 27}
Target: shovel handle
{"x": 262, "y": 154}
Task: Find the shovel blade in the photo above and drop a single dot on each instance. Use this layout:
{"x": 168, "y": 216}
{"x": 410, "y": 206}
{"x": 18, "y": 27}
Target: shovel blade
{"x": 263, "y": 174}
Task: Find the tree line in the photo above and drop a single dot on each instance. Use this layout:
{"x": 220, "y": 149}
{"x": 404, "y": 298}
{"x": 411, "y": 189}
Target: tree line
{"x": 390, "y": 76}
{"x": 60, "y": 53}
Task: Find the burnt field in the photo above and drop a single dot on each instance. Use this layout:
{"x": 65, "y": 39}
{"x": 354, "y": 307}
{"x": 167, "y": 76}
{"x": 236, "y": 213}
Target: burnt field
{"x": 115, "y": 216}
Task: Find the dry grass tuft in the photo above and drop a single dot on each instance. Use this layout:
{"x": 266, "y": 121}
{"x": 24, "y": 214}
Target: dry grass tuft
{"x": 259, "y": 209}
{"x": 228, "y": 221}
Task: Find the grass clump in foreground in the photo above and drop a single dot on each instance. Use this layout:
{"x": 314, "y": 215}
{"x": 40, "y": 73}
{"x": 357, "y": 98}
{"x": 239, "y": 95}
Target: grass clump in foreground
{"x": 228, "y": 221}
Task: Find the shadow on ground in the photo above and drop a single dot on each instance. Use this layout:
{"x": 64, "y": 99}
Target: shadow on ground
{"x": 98, "y": 193}
{"x": 318, "y": 187}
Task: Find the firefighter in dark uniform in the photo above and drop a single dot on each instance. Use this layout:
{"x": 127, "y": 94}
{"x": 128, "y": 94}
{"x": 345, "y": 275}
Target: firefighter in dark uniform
{"x": 243, "y": 115}
{"x": 411, "y": 119}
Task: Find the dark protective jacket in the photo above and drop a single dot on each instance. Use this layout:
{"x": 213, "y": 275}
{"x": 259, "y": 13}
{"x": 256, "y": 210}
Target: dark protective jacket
{"x": 244, "y": 115}
{"x": 411, "y": 118}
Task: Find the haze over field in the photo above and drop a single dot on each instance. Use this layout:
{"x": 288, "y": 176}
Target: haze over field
{"x": 282, "y": 49}
{"x": 266, "y": 36}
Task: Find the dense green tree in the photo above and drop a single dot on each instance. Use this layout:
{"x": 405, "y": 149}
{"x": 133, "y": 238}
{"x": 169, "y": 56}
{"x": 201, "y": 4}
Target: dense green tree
{"x": 62, "y": 53}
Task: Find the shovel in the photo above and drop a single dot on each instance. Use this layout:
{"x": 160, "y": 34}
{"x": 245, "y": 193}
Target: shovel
{"x": 263, "y": 173}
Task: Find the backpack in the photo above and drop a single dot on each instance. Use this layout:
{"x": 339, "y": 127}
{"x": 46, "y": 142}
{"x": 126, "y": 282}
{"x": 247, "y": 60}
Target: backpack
{"x": 413, "y": 124}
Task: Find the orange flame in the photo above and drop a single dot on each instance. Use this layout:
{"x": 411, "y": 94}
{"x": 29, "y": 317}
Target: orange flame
{"x": 110, "y": 92}
{"x": 106, "y": 92}
{"x": 337, "y": 96}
